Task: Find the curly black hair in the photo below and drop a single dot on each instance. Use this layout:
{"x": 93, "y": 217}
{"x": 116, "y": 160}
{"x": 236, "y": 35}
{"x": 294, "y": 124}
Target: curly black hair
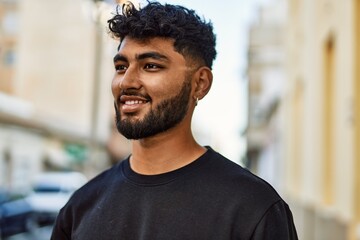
{"x": 193, "y": 36}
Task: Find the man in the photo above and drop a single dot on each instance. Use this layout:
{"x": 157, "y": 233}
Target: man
{"x": 170, "y": 187}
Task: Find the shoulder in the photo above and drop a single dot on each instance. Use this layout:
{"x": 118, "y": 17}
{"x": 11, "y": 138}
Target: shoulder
{"x": 276, "y": 223}
{"x": 241, "y": 182}
{"x": 254, "y": 198}
{"x": 85, "y": 199}
{"x": 96, "y": 187}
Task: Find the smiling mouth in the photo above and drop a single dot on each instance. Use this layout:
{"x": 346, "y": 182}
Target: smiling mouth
{"x": 133, "y": 99}
{"x": 132, "y": 103}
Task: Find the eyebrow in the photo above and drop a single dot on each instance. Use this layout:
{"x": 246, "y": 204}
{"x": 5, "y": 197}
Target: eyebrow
{"x": 153, "y": 55}
{"x": 119, "y": 57}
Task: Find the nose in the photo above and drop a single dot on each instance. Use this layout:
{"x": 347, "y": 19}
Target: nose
{"x": 128, "y": 80}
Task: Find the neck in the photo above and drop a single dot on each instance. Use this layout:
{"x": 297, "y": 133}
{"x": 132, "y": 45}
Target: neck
{"x": 164, "y": 152}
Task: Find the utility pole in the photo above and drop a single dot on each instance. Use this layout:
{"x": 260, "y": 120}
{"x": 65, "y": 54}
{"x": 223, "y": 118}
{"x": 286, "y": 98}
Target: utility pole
{"x": 98, "y": 44}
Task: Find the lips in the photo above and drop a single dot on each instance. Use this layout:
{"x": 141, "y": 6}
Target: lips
{"x": 131, "y": 104}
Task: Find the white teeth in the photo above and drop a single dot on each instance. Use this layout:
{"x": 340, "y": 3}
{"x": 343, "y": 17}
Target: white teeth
{"x": 132, "y": 102}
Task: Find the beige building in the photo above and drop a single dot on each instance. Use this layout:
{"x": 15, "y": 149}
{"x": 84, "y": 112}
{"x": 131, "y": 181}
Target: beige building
{"x": 8, "y": 43}
{"x": 322, "y": 103}
{"x": 316, "y": 122}
{"x": 55, "y": 98}
{"x": 266, "y": 79}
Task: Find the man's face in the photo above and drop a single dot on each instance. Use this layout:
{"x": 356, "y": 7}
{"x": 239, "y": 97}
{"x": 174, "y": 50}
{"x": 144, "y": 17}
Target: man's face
{"x": 151, "y": 87}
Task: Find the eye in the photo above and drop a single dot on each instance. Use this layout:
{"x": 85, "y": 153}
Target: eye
{"x": 120, "y": 68}
{"x": 152, "y": 67}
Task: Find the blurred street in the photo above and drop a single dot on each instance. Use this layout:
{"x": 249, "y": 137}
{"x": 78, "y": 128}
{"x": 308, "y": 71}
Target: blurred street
{"x": 43, "y": 233}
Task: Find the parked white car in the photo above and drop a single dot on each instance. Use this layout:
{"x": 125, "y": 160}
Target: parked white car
{"x": 50, "y": 193}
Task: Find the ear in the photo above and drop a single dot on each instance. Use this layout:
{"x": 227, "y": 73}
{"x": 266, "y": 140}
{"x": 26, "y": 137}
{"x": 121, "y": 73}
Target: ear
{"x": 203, "y": 82}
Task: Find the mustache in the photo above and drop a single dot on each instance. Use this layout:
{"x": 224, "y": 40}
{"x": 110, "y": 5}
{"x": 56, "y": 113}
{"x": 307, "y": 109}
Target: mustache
{"x": 134, "y": 92}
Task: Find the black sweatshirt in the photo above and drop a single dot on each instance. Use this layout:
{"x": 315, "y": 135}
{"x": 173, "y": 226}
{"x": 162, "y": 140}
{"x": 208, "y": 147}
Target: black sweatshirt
{"x": 211, "y": 198}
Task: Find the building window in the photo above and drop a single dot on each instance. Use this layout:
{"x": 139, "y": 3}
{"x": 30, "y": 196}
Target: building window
{"x": 9, "y": 58}
{"x": 10, "y": 23}
{"x": 357, "y": 111}
{"x": 328, "y": 122}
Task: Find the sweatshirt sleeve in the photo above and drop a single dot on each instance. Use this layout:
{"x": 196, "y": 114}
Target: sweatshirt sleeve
{"x": 59, "y": 232}
{"x": 277, "y": 223}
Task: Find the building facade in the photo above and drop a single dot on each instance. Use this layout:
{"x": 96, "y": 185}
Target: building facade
{"x": 266, "y": 79}
{"x": 55, "y": 101}
{"x": 322, "y": 123}
{"x": 317, "y": 115}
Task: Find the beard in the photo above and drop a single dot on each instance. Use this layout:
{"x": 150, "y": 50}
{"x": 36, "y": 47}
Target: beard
{"x": 164, "y": 116}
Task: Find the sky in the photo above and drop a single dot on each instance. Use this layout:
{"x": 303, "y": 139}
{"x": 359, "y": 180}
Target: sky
{"x": 222, "y": 114}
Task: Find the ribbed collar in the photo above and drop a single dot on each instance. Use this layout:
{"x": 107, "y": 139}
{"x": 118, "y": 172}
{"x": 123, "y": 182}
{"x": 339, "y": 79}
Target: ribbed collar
{"x": 160, "y": 179}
